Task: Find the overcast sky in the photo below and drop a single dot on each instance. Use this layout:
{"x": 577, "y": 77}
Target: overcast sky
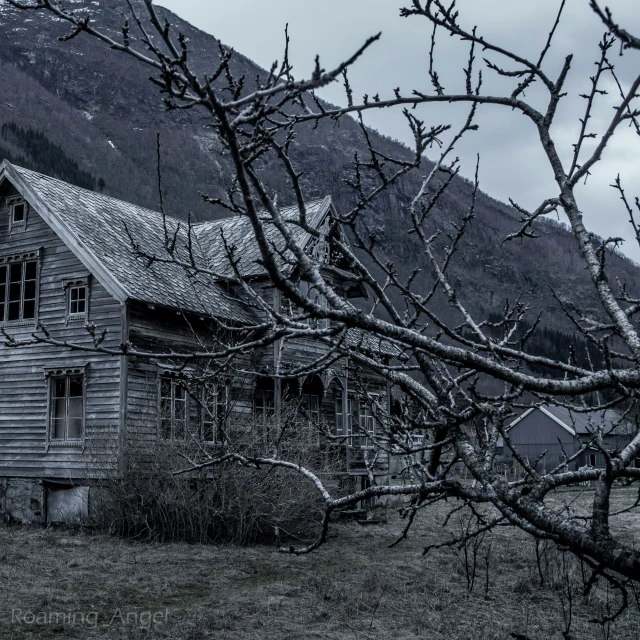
{"x": 511, "y": 161}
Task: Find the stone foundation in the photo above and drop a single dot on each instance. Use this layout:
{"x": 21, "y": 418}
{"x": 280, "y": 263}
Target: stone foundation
{"x": 22, "y": 501}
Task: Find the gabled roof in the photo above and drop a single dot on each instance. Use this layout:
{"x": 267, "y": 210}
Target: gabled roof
{"x": 578, "y": 423}
{"x": 237, "y": 233}
{"x": 94, "y": 226}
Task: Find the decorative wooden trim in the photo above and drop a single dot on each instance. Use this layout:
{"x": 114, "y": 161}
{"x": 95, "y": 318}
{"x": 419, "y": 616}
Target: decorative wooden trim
{"x": 27, "y": 256}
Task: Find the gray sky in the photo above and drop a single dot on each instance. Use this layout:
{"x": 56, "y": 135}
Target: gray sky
{"x": 511, "y": 161}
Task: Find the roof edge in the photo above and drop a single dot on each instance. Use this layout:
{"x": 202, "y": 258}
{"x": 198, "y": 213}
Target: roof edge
{"x": 110, "y": 283}
{"x": 548, "y": 413}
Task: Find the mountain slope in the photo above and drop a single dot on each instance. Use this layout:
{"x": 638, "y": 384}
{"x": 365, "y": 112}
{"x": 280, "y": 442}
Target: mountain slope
{"x": 98, "y": 107}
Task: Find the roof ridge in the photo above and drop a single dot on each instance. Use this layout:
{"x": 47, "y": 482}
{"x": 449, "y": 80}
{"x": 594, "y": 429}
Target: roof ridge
{"x": 92, "y": 192}
{"x": 307, "y": 203}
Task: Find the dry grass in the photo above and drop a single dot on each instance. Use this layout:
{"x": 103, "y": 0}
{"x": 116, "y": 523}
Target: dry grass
{"x": 355, "y": 587}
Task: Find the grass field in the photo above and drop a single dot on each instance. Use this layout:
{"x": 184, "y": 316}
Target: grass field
{"x": 355, "y": 587}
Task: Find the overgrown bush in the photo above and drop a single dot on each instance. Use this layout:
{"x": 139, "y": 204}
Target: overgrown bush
{"x": 227, "y": 503}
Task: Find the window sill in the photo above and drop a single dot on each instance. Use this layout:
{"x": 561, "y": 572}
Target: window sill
{"x": 74, "y": 444}
{"x": 18, "y": 323}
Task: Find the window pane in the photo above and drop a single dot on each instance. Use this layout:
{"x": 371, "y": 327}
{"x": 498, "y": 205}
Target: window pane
{"x": 75, "y": 407}
{"x": 75, "y": 387}
{"x": 75, "y": 429}
{"x": 59, "y": 387}
{"x": 3, "y": 274}
{"x": 15, "y": 289}
{"x": 58, "y": 409}
{"x": 179, "y": 409}
{"x": 207, "y": 431}
{"x": 165, "y": 388}
{"x": 18, "y": 213}
{"x": 14, "y": 311}
{"x": 15, "y": 272}
{"x": 29, "y": 310}
{"x": 165, "y": 429}
{"x": 30, "y": 270}
{"x": 29, "y": 289}
{"x": 57, "y": 429}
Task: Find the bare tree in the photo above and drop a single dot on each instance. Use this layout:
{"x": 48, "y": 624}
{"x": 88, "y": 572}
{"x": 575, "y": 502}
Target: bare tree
{"x": 440, "y": 367}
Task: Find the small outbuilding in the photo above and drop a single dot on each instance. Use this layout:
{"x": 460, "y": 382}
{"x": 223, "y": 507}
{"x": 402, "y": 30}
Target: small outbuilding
{"x": 550, "y": 435}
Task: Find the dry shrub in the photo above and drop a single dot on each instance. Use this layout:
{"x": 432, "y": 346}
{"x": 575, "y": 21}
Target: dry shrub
{"x": 226, "y": 503}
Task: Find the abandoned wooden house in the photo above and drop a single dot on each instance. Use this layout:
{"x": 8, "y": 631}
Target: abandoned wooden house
{"x": 67, "y": 262}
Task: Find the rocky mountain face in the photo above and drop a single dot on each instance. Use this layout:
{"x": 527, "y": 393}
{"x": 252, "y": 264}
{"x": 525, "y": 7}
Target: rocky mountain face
{"x": 82, "y": 112}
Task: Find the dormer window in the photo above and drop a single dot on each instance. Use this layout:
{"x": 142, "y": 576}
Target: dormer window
{"x": 18, "y": 214}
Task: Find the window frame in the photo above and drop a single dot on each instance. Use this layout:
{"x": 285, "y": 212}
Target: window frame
{"x": 218, "y": 425}
{"x": 175, "y": 382}
{"x": 23, "y": 259}
{"x": 309, "y": 291}
{"x": 262, "y": 416}
{"x": 69, "y": 285}
{"x": 51, "y": 375}
{"x": 364, "y": 416}
{"x": 13, "y": 203}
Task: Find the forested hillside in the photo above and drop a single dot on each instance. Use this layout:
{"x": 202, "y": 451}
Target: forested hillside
{"x": 89, "y": 115}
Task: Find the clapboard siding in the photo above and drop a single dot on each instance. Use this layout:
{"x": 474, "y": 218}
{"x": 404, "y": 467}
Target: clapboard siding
{"x": 23, "y": 386}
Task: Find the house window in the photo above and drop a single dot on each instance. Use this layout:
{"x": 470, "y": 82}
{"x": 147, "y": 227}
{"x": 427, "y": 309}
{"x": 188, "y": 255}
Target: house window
{"x": 66, "y": 408}
{"x": 173, "y": 408}
{"x": 359, "y": 424}
{"x": 264, "y": 407}
{"x": 214, "y": 410}
{"x": 592, "y": 459}
{"x": 18, "y": 209}
{"x": 76, "y": 293}
{"x": 18, "y": 290}
{"x": 313, "y": 295}
{"x": 311, "y": 407}
{"x": 343, "y": 422}
{"x": 367, "y": 423}
{"x": 77, "y": 301}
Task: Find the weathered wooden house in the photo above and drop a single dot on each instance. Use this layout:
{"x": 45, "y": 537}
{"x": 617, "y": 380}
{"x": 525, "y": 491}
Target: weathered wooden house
{"x": 67, "y": 263}
{"x": 552, "y": 434}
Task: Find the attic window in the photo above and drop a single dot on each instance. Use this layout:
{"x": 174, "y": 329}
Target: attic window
{"x": 18, "y": 214}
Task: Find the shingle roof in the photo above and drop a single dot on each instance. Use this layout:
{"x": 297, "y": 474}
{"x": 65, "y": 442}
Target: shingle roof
{"x": 95, "y": 226}
{"x": 371, "y": 344}
{"x": 237, "y": 233}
